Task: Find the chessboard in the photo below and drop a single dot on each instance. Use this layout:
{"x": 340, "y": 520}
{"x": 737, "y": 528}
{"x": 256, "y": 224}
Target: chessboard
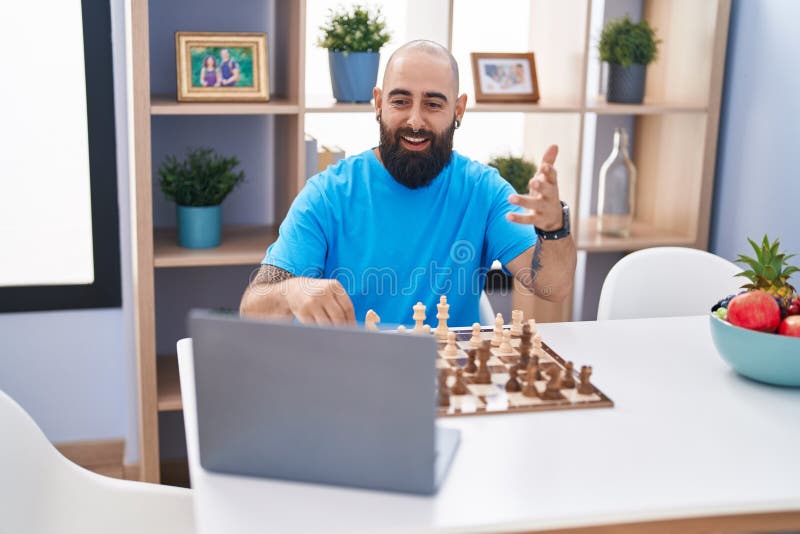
{"x": 556, "y": 385}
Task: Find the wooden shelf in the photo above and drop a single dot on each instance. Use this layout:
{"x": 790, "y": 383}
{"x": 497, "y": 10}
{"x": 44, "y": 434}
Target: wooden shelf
{"x": 643, "y": 235}
{"x": 241, "y": 245}
{"x": 169, "y": 386}
{"x": 322, "y": 105}
{"x": 168, "y": 105}
{"x": 601, "y": 107}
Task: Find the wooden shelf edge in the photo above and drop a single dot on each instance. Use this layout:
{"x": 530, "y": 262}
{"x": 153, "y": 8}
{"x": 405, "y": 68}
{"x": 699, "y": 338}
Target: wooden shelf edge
{"x": 168, "y": 105}
{"x": 643, "y": 235}
{"x": 241, "y": 245}
{"x": 318, "y": 106}
{"x": 169, "y": 386}
{"x": 601, "y": 107}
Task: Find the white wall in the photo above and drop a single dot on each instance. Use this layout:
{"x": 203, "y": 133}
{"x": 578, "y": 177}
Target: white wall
{"x": 757, "y": 187}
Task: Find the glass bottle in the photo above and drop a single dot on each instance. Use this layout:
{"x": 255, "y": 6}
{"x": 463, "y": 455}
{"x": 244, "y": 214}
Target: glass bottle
{"x": 616, "y": 194}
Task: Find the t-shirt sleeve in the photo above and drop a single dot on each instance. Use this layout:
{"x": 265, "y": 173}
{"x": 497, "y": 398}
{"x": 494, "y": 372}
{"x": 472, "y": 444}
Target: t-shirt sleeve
{"x": 302, "y": 244}
{"x": 505, "y": 240}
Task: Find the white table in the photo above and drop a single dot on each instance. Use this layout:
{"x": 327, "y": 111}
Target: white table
{"x": 688, "y": 438}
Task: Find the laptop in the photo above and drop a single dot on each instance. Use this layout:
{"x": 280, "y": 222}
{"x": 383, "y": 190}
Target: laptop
{"x": 330, "y": 405}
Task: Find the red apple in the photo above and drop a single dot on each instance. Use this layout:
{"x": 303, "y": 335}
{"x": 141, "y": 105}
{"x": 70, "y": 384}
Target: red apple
{"x": 755, "y": 310}
{"x": 790, "y": 326}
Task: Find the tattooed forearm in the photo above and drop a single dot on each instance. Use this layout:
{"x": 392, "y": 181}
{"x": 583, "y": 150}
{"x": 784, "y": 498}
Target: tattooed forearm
{"x": 536, "y": 263}
{"x": 269, "y": 274}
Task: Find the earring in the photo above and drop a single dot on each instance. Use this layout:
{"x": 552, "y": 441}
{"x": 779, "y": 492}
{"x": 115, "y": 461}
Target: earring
{"x": 378, "y": 117}
{"x": 458, "y": 124}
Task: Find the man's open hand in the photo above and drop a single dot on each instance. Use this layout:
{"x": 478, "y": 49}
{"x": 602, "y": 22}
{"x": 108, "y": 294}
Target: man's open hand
{"x": 542, "y": 201}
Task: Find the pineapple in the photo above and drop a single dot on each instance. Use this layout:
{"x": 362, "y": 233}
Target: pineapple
{"x": 769, "y": 270}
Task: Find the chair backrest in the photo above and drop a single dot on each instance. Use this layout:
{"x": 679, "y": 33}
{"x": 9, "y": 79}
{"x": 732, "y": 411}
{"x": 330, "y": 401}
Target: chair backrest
{"x": 485, "y": 310}
{"x": 41, "y": 491}
{"x": 666, "y": 282}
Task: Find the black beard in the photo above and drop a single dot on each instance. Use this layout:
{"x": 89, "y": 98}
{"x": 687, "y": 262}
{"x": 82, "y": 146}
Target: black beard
{"x": 415, "y": 169}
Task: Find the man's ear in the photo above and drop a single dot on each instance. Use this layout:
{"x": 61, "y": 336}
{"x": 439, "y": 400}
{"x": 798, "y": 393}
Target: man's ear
{"x": 461, "y": 106}
{"x": 377, "y": 97}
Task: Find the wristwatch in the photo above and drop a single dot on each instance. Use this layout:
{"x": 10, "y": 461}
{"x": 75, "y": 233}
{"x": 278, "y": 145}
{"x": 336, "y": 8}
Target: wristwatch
{"x": 561, "y": 232}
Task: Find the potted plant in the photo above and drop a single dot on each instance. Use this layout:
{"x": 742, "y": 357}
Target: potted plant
{"x": 516, "y": 171}
{"x": 198, "y": 185}
{"x": 628, "y": 48}
{"x": 353, "y": 39}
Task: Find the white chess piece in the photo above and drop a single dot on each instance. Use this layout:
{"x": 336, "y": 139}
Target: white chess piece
{"x": 532, "y": 323}
{"x": 516, "y": 322}
{"x": 498, "y": 330}
{"x": 451, "y": 349}
{"x": 419, "y": 317}
{"x": 475, "y": 340}
{"x": 443, "y": 315}
{"x": 505, "y": 346}
{"x": 371, "y": 320}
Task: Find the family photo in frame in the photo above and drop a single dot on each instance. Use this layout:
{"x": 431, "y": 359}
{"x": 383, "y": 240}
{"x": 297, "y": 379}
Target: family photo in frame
{"x": 505, "y": 77}
{"x": 222, "y": 67}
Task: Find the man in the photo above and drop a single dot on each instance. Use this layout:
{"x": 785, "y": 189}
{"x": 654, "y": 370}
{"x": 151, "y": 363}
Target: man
{"x": 411, "y": 219}
{"x": 229, "y": 69}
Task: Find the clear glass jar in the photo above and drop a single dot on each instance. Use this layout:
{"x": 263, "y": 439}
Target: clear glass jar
{"x": 616, "y": 193}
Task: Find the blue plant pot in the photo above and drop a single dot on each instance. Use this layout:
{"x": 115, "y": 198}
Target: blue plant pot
{"x": 199, "y": 227}
{"x": 353, "y": 75}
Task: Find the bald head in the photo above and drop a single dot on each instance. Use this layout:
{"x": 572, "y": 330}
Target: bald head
{"x": 430, "y": 48}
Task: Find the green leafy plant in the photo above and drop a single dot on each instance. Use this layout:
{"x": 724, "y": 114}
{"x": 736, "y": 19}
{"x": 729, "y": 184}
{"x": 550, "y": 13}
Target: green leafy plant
{"x": 355, "y": 30}
{"x": 204, "y": 178}
{"x": 769, "y": 270}
{"x": 516, "y": 171}
{"x": 625, "y": 43}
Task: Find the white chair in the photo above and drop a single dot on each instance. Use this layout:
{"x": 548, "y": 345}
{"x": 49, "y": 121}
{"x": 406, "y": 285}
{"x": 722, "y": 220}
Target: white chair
{"x": 42, "y": 492}
{"x": 666, "y": 282}
{"x": 485, "y": 310}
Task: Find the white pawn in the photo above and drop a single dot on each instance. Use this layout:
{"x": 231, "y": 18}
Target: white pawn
{"x": 498, "y": 330}
{"x": 443, "y": 315}
{"x": 419, "y": 317}
{"x": 451, "y": 349}
{"x": 371, "y": 320}
{"x": 516, "y": 322}
{"x": 505, "y": 347}
{"x": 402, "y": 329}
{"x": 476, "y": 339}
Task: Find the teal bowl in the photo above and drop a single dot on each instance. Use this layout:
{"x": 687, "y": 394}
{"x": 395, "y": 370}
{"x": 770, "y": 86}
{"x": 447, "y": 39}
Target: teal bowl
{"x": 764, "y": 357}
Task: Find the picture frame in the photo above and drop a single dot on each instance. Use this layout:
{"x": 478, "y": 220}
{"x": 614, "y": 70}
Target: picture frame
{"x": 222, "y": 67}
{"x": 505, "y": 77}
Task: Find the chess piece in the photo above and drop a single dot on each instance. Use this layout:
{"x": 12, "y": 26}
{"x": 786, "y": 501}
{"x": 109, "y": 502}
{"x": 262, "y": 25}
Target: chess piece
{"x": 498, "y": 330}
{"x": 529, "y": 389}
{"x": 532, "y": 324}
{"x": 569, "y": 377}
{"x": 552, "y": 391}
{"x": 471, "y": 368}
{"x": 451, "y": 349}
{"x": 475, "y": 340}
{"x": 426, "y": 329}
{"x": 513, "y": 383}
{"x": 419, "y": 317}
{"x": 505, "y": 346}
{"x": 371, "y": 320}
{"x": 402, "y": 329}
{"x": 442, "y": 314}
{"x": 585, "y": 388}
{"x": 516, "y": 323}
{"x": 444, "y": 394}
{"x": 484, "y": 376}
{"x": 460, "y": 387}
{"x": 534, "y": 364}
{"x": 525, "y": 347}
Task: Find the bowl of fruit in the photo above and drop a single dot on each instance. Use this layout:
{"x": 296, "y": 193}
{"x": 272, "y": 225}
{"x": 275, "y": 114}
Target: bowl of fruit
{"x": 758, "y": 330}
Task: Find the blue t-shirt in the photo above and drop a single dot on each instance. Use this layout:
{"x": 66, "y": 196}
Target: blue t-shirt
{"x": 391, "y": 246}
